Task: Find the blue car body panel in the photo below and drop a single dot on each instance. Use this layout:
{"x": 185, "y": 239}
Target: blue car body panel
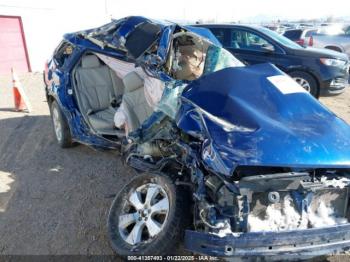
{"x": 265, "y": 127}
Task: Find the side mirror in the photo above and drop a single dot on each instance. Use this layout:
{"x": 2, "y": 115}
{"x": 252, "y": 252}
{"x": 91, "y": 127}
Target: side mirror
{"x": 268, "y": 48}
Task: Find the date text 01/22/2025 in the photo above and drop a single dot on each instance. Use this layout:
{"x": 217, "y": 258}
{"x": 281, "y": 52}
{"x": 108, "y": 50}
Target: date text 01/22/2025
{"x": 172, "y": 258}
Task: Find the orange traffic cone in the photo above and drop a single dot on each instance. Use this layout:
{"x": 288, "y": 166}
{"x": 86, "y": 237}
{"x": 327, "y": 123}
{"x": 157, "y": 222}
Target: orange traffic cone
{"x": 20, "y": 98}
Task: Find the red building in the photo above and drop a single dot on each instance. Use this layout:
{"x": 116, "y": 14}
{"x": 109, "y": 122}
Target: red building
{"x": 13, "y": 48}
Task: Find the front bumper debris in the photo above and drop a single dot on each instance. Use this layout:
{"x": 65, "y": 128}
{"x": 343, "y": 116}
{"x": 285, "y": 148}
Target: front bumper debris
{"x": 297, "y": 243}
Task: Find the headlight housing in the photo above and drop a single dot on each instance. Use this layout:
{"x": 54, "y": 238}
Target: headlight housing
{"x": 333, "y": 62}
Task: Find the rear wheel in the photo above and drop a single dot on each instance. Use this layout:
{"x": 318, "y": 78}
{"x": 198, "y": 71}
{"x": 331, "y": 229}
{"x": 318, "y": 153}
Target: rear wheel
{"x": 60, "y": 126}
{"x": 148, "y": 216}
{"x": 307, "y": 81}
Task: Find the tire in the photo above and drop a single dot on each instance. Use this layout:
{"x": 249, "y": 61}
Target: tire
{"x": 309, "y": 80}
{"x": 60, "y": 126}
{"x": 171, "y": 223}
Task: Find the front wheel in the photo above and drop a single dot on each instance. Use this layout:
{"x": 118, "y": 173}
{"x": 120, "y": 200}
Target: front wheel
{"x": 148, "y": 216}
{"x": 307, "y": 81}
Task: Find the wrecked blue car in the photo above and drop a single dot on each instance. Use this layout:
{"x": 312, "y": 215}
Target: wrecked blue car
{"x": 233, "y": 160}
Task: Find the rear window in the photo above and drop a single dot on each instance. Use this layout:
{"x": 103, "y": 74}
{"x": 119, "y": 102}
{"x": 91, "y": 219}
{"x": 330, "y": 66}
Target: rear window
{"x": 293, "y": 34}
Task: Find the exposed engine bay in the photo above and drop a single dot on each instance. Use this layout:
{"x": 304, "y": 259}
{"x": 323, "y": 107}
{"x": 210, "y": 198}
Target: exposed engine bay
{"x": 286, "y": 201}
{"x": 266, "y": 199}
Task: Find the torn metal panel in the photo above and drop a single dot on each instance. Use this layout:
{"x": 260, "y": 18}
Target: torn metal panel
{"x": 204, "y": 33}
{"x": 165, "y": 43}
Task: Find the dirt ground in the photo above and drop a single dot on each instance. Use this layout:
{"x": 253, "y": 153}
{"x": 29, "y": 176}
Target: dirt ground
{"x": 53, "y": 200}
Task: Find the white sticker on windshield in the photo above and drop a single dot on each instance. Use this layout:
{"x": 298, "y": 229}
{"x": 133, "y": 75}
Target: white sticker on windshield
{"x": 286, "y": 84}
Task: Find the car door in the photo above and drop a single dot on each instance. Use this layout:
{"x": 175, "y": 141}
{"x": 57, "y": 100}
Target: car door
{"x": 252, "y": 48}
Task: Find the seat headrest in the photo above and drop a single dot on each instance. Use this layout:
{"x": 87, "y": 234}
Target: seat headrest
{"x": 132, "y": 82}
{"x": 90, "y": 61}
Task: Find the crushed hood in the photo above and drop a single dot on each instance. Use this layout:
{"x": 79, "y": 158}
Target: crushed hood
{"x": 257, "y": 116}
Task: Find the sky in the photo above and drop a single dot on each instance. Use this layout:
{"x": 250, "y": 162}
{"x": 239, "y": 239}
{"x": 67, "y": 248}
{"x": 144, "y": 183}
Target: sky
{"x": 191, "y": 10}
{"x": 45, "y": 21}
{"x": 226, "y": 10}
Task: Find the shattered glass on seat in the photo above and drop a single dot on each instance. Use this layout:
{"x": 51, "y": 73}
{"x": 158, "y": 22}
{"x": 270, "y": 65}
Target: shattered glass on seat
{"x": 169, "y": 103}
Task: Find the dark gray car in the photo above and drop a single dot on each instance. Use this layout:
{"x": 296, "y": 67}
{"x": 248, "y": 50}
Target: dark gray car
{"x": 319, "y": 71}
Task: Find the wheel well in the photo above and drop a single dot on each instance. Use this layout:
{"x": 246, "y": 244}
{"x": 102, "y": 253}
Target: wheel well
{"x": 334, "y": 48}
{"x": 306, "y": 72}
{"x": 311, "y": 74}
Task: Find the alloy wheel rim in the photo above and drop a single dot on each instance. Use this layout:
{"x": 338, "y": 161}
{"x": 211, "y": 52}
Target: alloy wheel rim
{"x": 57, "y": 124}
{"x": 144, "y": 214}
{"x": 304, "y": 83}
